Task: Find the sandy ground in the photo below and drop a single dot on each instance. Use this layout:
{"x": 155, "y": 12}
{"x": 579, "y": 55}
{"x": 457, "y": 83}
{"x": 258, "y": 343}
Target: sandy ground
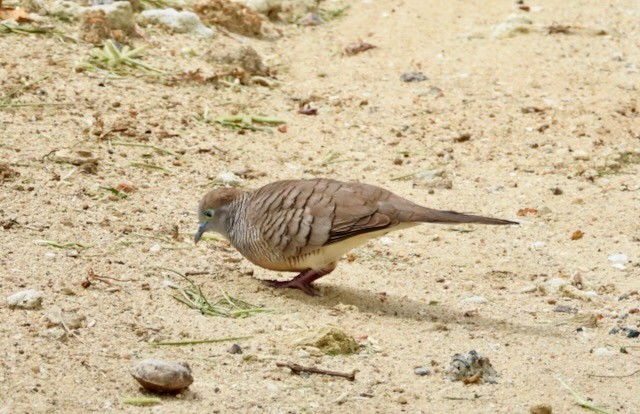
{"x": 542, "y": 112}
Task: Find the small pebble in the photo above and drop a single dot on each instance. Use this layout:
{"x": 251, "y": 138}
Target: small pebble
{"x": 528, "y": 289}
{"x": 26, "y": 299}
{"x": 303, "y": 354}
{"x": 229, "y": 179}
{"x": 632, "y": 333}
{"x": 565, "y": 309}
{"x": 162, "y": 376}
{"x": 385, "y": 241}
{"x": 413, "y": 77}
{"x": 310, "y": 19}
{"x": 422, "y": 371}
{"x": 54, "y": 333}
{"x": 603, "y": 352}
{"x": 552, "y": 285}
{"x": 581, "y": 155}
{"x": 235, "y": 349}
{"x": 541, "y": 409}
{"x": 557, "y": 191}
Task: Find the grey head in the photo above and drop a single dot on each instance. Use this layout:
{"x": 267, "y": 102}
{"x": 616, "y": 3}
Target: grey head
{"x": 213, "y": 211}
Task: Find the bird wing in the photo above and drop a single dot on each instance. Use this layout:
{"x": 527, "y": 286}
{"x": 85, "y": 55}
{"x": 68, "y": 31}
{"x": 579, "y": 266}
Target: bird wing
{"x": 299, "y": 216}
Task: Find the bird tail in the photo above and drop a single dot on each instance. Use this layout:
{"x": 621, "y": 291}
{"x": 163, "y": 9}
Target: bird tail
{"x": 441, "y": 216}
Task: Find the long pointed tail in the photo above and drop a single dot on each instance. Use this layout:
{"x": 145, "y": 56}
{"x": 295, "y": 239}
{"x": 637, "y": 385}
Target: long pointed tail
{"x": 440, "y": 216}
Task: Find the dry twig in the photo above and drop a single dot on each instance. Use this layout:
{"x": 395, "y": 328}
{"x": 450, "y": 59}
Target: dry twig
{"x": 297, "y": 369}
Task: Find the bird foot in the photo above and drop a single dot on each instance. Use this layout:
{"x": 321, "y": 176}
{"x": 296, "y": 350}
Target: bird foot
{"x": 303, "y": 280}
{"x": 293, "y": 284}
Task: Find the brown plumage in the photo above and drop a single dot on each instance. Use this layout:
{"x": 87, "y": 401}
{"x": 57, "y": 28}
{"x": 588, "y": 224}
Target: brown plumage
{"x": 307, "y": 225}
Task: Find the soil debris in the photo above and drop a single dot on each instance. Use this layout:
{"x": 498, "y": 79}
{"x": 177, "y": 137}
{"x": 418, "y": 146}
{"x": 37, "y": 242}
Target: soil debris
{"x": 472, "y": 368}
{"x": 358, "y": 47}
{"x": 235, "y": 17}
{"x": 329, "y": 340}
{"x": 7, "y": 173}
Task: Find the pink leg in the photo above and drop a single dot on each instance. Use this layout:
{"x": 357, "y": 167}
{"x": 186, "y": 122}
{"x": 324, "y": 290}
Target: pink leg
{"x": 303, "y": 280}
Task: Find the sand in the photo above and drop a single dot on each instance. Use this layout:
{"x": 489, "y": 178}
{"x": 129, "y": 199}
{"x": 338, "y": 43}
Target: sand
{"x": 541, "y": 121}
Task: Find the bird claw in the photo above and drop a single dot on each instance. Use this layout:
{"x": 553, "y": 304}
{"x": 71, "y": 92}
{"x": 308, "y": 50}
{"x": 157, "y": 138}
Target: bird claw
{"x": 293, "y": 284}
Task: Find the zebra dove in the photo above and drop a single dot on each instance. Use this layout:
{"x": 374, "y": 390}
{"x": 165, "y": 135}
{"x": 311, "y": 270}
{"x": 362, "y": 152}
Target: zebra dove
{"x": 307, "y": 225}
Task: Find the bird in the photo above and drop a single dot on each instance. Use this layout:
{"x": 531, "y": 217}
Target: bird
{"x": 306, "y": 226}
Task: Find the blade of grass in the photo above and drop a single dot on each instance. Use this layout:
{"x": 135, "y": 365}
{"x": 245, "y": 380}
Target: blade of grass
{"x": 60, "y": 245}
{"x": 155, "y": 147}
{"x": 201, "y": 341}
{"x": 16, "y": 91}
{"x": 224, "y": 306}
{"x": 581, "y": 400}
{"x": 141, "y": 400}
{"x": 149, "y": 166}
{"x": 115, "y": 192}
{"x": 23, "y": 105}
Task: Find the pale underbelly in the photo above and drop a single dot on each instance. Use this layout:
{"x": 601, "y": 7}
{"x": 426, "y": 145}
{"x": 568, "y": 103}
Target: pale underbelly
{"x": 326, "y": 255}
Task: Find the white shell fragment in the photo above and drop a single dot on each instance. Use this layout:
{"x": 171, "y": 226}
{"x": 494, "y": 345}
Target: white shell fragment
{"x": 619, "y": 257}
{"x": 618, "y": 260}
{"x": 162, "y": 376}
{"x": 26, "y": 299}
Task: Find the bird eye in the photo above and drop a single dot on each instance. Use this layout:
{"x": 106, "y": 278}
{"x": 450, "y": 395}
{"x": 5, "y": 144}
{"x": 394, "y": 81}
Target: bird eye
{"x": 208, "y": 213}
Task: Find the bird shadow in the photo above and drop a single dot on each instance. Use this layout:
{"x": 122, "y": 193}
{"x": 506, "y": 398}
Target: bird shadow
{"x": 397, "y": 306}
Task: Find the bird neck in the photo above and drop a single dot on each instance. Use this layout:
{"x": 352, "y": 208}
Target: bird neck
{"x": 233, "y": 214}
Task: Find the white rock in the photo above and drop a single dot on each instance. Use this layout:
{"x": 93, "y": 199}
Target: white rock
{"x": 475, "y": 299}
{"x": 553, "y": 285}
{"x": 573, "y": 292}
{"x": 26, "y": 299}
{"x": 385, "y": 241}
{"x": 169, "y": 284}
{"x": 284, "y": 9}
{"x": 538, "y": 244}
{"x": 619, "y": 266}
{"x": 119, "y": 15}
{"x": 604, "y": 352}
{"x": 528, "y": 289}
{"x": 155, "y": 248}
{"x": 618, "y": 257}
{"x": 580, "y": 155}
{"x": 229, "y": 179}
{"x": 67, "y": 10}
{"x": 179, "y": 22}
{"x": 428, "y": 175}
{"x": 261, "y": 6}
{"x": 515, "y": 24}
{"x": 54, "y": 333}
{"x": 303, "y": 354}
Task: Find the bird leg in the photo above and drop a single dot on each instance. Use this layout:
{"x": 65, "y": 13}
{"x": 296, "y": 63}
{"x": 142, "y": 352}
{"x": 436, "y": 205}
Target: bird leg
{"x": 303, "y": 280}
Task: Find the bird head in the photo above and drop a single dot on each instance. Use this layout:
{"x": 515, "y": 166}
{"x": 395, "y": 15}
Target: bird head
{"x": 214, "y": 209}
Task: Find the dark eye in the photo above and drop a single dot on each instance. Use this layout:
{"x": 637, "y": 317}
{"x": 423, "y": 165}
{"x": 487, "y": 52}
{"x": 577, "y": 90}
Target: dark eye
{"x": 208, "y": 213}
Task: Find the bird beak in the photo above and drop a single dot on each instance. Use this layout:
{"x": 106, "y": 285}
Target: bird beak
{"x": 200, "y": 232}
